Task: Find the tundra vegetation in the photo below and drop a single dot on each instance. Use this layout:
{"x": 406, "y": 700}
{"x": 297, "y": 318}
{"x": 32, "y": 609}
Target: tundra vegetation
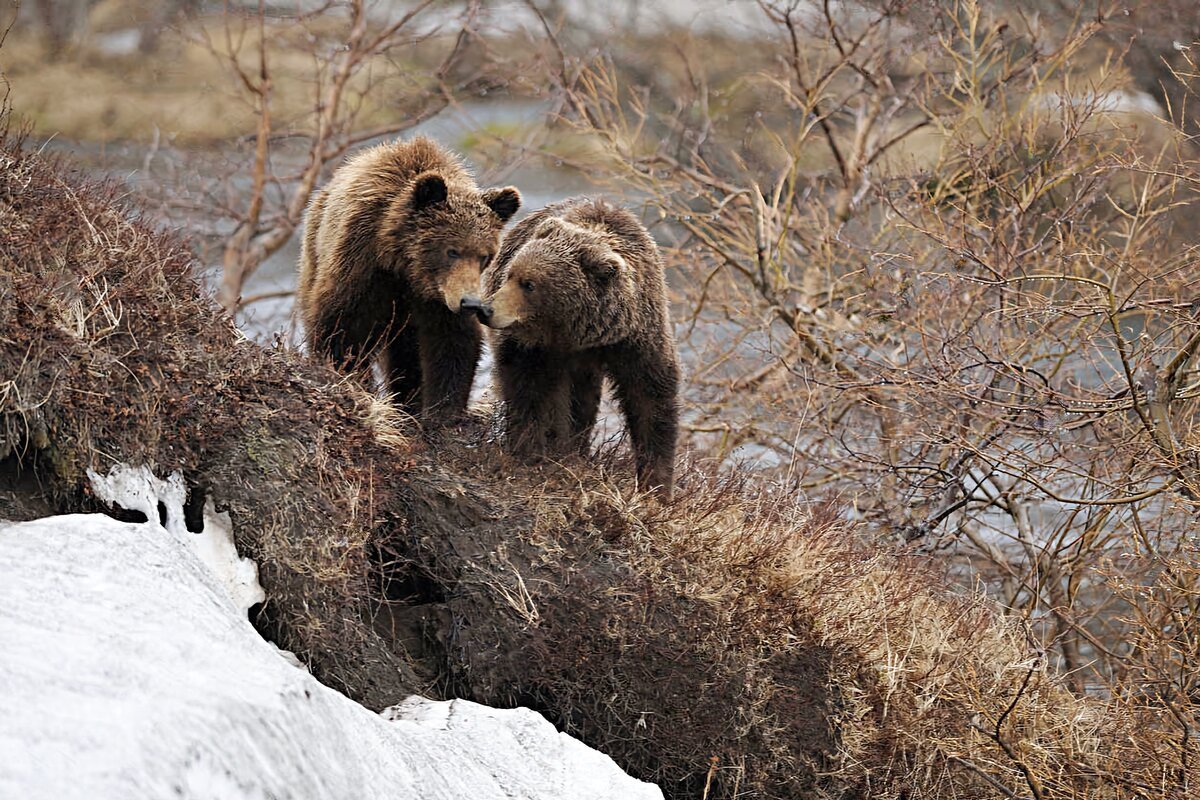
{"x": 934, "y": 275}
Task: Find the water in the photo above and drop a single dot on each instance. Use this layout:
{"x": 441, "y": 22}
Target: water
{"x": 539, "y": 186}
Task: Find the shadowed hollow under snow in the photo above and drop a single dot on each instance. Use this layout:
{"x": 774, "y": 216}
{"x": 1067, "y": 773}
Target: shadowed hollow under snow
{"x": 128, "y": 671}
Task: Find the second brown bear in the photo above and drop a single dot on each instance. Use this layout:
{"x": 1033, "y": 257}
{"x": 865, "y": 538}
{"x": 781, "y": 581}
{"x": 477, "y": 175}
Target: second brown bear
{"x": 576, "y": 293}
{"x": 390, "y": 266}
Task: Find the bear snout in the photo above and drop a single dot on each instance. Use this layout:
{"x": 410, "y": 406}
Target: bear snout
{"x": 474, "y": 304}
{"x": 506, "y": 307}
{"x": 460, "y": 284}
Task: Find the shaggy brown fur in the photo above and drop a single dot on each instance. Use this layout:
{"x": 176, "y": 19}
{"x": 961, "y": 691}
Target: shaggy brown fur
{"x": 391, "y": 256}
{"x": 577, "y": 293}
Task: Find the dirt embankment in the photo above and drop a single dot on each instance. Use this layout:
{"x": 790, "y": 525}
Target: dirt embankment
{"x": 732, "y": 644}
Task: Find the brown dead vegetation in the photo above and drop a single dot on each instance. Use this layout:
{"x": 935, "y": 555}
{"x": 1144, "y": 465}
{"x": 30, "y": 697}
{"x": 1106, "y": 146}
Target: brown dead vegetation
{"x": 734, "y": 643}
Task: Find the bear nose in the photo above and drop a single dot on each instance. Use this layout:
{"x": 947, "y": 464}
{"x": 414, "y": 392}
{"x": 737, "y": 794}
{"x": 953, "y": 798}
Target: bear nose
{"x": 481, "y": 309}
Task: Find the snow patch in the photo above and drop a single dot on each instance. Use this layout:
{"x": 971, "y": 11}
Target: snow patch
{"x": 127, "y": 672}
{"x": 138, "y": 489}
{"x": 1115, "y": 101}
{"x": 495, "y": 734}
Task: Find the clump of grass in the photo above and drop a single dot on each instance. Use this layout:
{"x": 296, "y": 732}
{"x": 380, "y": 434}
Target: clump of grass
{"x": 740, "y": 643}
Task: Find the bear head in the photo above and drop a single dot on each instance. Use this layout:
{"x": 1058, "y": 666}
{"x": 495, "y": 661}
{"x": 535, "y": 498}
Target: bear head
{"x": 447, "y": 231}
{"x": 565, "y": 288}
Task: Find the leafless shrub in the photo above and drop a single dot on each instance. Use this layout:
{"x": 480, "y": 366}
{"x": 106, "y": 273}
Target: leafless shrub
{"x": 5, "y": 109}
{"x": 353, "y": 55}
{"x": 938, "y": 277}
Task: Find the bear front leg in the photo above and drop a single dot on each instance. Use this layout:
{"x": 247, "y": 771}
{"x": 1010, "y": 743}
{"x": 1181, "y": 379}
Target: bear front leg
{"x": 648, "y": 391}
{"x": 449, "y": 353}
{"x": 400, "y": 360}
{"x": 346, "y": 339}
{"x": 586, "y": 383}
{"x": 537, "y": 398}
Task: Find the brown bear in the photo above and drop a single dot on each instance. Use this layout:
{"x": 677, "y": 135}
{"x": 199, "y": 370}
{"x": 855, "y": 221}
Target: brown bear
{"x": 576, "y": 293}
{"x": 390, "y": 268}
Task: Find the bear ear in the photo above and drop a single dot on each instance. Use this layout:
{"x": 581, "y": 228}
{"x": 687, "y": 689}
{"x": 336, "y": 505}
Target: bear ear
{"x": 504, "y": 202}
{"x": 429, "y": 188}
{"x": 603, "y": 267}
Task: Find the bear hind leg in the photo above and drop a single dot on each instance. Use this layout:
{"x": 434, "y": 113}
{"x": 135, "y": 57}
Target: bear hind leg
{"x": 648, "y": 395}
{"x": 350, "y": 347}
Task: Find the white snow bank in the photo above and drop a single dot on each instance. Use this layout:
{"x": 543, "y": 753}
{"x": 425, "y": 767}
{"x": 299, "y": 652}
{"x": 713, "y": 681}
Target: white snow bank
{"x": 128, "y": 671}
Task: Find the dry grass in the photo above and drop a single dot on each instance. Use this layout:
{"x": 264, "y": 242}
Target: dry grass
{"x": 739, "y": 643}
{"x": 735, "y": 643}
{"x": 179, "y": 94}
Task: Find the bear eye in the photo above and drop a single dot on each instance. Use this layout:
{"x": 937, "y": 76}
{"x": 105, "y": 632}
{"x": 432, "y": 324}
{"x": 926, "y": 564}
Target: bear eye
{"x": 453, "y": 254}
{"x": 527, "y": 285}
